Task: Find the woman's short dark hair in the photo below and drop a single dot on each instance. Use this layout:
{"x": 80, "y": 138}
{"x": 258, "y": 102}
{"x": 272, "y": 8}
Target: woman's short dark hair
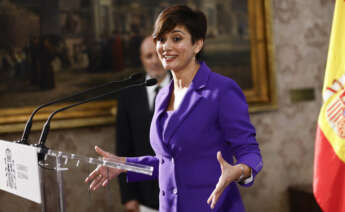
{"x": 194, "y": 21}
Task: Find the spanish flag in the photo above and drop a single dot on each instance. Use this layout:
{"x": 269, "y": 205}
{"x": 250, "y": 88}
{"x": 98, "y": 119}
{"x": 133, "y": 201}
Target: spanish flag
{"x": 329, "y": 161}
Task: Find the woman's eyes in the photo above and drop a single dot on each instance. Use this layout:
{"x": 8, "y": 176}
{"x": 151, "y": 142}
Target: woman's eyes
{"x": 176, "y": 39}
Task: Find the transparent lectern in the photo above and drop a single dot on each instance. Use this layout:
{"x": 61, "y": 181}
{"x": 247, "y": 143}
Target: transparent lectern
{"x": 21, "y": 166}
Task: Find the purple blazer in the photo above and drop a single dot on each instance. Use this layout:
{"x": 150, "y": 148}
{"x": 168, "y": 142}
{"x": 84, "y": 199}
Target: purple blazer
{"x": 213, "y": 116}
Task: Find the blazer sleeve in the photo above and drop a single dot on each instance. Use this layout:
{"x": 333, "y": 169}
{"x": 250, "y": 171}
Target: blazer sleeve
{"x": 237, "y": 128}
{"x": 124, "y": 147}
{"x": 145, "y": 160}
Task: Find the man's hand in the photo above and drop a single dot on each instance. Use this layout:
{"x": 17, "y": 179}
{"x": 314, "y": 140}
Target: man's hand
{"x": 132, "y": 206}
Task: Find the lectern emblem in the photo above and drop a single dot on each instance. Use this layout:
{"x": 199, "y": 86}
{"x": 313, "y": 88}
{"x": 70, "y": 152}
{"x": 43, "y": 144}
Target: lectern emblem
{"x": 10, "y": 170}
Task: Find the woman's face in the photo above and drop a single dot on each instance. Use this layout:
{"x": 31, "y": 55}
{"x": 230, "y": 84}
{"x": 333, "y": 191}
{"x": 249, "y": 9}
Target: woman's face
{"x": 176, "y": 50}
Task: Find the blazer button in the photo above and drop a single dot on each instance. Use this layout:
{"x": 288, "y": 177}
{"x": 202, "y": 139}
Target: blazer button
{"x": 175, "y": 191}
{"x": 162, "y": 161}
{"x": 163, "y": 193}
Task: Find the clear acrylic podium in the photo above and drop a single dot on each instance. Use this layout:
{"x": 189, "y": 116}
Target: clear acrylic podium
{"x": 62, "y": 159}
{"x": 56, "y": 161}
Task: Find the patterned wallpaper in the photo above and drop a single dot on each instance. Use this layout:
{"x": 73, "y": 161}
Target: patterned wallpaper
{"x": 301, "y": 34}
{"x": 286, "y": 136}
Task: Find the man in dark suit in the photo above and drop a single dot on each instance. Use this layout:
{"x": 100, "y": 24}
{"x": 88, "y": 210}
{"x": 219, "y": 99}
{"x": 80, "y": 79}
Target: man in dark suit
{"x": 135, "y": 111}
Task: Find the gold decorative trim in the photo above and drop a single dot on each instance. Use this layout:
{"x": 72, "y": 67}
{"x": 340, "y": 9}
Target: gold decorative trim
{"x": 91, "y": 114}
{"x": 262, "y": 97}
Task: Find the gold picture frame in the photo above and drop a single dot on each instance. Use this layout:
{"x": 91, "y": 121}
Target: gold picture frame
{"x": 261, "y": 96}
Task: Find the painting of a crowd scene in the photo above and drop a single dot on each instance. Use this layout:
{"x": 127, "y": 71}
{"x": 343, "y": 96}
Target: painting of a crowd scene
{"x": 52, "y": 50}
{"x": 57, "y": 48}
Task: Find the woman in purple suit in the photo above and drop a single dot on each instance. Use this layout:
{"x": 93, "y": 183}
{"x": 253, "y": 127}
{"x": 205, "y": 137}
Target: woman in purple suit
{"x": 201, "y": 123}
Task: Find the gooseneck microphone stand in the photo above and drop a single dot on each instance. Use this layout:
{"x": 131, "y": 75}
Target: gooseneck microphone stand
{"x": 24, "y": 140}
{"x": 43, "y": 151}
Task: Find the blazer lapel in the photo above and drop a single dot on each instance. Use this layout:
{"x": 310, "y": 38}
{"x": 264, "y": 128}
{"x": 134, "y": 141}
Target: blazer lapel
{"x": 192, "y": 97}
{"x": 162, "y": 103}
{"x": 163, "y": 100}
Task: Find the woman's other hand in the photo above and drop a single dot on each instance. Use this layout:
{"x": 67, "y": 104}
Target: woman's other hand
{"x": 229, "y": 174}
{"x": 102, "y": 174}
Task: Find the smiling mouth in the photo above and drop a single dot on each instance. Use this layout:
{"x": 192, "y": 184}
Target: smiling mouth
{"x": 169, "y": 58}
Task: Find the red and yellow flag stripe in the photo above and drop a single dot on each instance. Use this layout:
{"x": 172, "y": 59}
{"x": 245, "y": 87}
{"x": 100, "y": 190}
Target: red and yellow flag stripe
{"x": 329, "y": 163}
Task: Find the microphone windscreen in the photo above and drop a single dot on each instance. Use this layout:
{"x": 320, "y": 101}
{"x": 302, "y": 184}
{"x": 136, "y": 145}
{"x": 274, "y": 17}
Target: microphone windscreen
{"x": 137, "y": 76}
{"x": 150, "y": 82}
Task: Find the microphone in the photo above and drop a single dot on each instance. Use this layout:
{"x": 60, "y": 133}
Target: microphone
{"x": 136, "y": 76}
{"x": 150, "y": 82}
{"x": 24, "y": 140}
{"x": 46, "y": 127}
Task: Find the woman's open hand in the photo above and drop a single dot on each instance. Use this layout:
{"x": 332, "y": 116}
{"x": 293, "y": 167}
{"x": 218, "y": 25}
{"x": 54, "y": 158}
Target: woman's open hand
{"x": 229, "y": 174}
{"x": 102, "y": 174}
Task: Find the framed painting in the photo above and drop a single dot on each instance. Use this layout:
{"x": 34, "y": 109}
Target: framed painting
{"x": 86, "y": 43}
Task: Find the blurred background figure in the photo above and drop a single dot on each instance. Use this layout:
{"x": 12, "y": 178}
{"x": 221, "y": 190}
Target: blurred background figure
{"x": 135, "y": 111}
{"x": 117, "y": 52}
